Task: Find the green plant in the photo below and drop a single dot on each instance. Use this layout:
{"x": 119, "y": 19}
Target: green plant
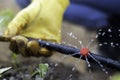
{"x": 41, "y": 70}
{"x": 15, "y": 60}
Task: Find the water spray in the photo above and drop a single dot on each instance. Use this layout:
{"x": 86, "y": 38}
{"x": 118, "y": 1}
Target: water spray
{"x": 75, "y": 52}
{"x": 68, "y": 50}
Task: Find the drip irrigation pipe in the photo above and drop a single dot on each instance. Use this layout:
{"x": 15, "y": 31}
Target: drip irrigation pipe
{"x": 75, "y": 52}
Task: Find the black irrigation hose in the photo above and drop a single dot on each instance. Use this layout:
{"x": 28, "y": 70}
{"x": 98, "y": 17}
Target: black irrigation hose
{"x": 75, "y": 52}
{"x": 72, "y": 51}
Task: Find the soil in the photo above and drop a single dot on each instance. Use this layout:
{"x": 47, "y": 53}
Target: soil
{"x": 25, "y": 68}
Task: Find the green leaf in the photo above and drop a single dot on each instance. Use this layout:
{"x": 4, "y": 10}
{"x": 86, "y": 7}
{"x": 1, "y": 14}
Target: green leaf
{"x": 43, "y": 68}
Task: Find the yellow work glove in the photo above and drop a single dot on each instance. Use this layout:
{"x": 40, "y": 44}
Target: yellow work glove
{"x": 42, "y": 19}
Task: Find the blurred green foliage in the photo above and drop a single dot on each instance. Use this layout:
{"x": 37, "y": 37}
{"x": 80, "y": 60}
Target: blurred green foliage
{"x": 5, "y": 17}
{"x": 116, "y": 77}
{"x": 16, "y": 62}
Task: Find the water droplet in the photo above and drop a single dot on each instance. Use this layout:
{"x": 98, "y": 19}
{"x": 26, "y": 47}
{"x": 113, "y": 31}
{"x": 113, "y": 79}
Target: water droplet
{"x": 117, "y": 44}
{"x": 96, "y": 36}
{"x": 118, "y": 30}
{"x": 75, "y": 37}
{"x": 70, "y": 75}
{"x": 105, "y": 43}
{"x": 80, "y": 42}
{"x": 56, "y": 64}
{"x": 103, "y": 33}
{"x": 100, "y": 44}
{"x": 88, "y": 63}
{"x": 100, "y": 29}
{"x": 110, "y": 77}
{"x": 63, "y": 57}
{"x": 109, "y": 30}
{"x": 99, "y": 33}
{"x": 119, "y": 35}
{"x": 92, "y": 40}
{"x": 70, "y": 34}
{"x": 110, "y": 35}
{"x": 112, "y": 44}
{"x": 100, "y": 64}
{"x": 73, "y": 69}
{"x": 104, "y": 70}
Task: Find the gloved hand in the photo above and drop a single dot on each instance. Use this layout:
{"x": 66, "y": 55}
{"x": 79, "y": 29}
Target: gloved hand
{"x": 40, "y": 20}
